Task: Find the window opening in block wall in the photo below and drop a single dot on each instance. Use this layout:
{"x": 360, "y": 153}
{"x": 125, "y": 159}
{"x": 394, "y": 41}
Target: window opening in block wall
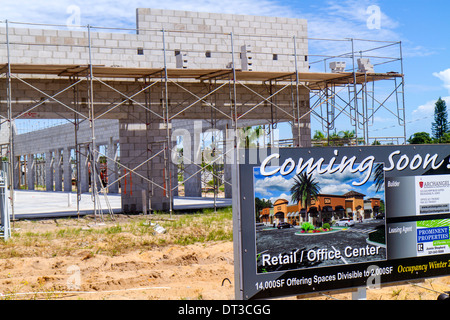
{"x": 208, "y": 54}
{"x": 275, "y": 56}
{"x": 140, "y": 51}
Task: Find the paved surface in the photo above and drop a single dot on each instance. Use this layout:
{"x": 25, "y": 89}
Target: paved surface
{"x": 284, "y": 241}
{"x": 182, "y": 203}
{"x": 41, "y": 204}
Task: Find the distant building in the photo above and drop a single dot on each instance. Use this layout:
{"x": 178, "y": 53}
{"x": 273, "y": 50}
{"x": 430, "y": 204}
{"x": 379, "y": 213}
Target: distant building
{"x": 324, "y": 208}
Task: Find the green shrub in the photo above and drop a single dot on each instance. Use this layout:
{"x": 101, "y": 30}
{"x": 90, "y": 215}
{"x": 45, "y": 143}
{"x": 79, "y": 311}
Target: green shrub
{"x": 378, "y": 236}
{"x": 306, "y": 226}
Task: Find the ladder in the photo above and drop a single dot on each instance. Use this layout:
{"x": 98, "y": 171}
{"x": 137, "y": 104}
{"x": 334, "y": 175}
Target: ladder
{"x": 399, "y": 94}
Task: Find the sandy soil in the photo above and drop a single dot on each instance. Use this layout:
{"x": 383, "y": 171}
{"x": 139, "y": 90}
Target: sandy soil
{"x": 32, "y": 270}
{"x": 192, "y": 272}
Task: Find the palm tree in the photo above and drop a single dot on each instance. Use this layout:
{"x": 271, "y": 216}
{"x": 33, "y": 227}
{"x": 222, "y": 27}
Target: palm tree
{"x": 319, "y": 135}
{"x": 378, "y": 176}
{"x": 304, "y": 189}
{"x": 251, "y": 135}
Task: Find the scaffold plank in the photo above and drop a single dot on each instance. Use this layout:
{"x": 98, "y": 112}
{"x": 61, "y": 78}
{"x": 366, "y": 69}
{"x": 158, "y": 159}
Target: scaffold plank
{"x": 195, "y": 74}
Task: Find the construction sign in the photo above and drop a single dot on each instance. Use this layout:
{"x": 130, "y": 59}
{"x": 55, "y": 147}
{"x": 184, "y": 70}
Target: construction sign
{"x": 320, "y": 219}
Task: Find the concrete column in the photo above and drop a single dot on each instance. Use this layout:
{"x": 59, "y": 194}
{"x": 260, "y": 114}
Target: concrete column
{"x": 96, "y": 163}
{"x": 193, "y": 180}
{"x": 227, "y": 160}
{"x": 304, "y": 140}
{"x": 57, "y": 165}
{"x": 304, "y": 128}
{"x": 84, "y": 172}
{"x": 227, "y": 177}
{"x": 67, "y": 168}
{"x": 49, "y": 171}
{"x": 17, "y": 173}
{"x": 112, "y": 166}
{"x": 174, "y": 171}
{"x": 30, "y": 171}
{"x": 135, "y": 139}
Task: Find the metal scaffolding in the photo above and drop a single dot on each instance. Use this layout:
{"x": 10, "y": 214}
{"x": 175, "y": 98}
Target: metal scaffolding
{"x": 349, "y": 93}
{"x": 357, "y": 98}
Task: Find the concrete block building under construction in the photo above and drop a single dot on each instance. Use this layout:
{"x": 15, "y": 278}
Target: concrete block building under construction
{"x": 150, "y": 84}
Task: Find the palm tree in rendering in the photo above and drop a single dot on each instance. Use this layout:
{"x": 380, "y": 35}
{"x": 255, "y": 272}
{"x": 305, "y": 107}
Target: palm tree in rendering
{"x": 304, "y": 189}
{"x": 378, "y": 176}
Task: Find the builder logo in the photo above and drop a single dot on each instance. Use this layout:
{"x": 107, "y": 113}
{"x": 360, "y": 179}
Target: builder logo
{"x": 434, "y": 184}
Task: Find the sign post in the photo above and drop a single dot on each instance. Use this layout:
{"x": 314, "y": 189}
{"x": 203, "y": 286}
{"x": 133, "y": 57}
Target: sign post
{"x": 321, "y": 219}
{"x": 5, "y": 228}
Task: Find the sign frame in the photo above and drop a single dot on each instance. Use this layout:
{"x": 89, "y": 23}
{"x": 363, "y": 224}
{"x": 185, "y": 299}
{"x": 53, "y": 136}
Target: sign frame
{"x": 5, "y": 225}
{"x": 402, "y": 162}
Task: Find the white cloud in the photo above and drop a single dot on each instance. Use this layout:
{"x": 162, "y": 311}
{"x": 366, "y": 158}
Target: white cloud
{"x": 337, "y": 178}
{"x": 426, "y": 110}
{"x": 360, "y": 10}
{"x": 121, "y": 14}
{"x": 337, "y": 19}
{"x": 372, "y": 191}
{"x": 275, "y": 183}
{"x": 384, "y": 120}
{"x": 336, "y": 189}
{"x": 328, "y": 19}
{"x": 411, "y": 50}
{"x": 445, "y": 77}
{"x": 348, "y": 19}
{"x": 281, "y": 196}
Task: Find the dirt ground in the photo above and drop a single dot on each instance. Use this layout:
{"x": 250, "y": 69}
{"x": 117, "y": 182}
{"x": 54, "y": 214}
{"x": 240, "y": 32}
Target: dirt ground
{"x": 191, "y": 272}
{"x": 44, "y": 260}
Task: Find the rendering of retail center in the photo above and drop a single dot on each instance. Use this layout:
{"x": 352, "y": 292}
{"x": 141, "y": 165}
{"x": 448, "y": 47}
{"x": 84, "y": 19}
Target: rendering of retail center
{"x": 323, "y": 208}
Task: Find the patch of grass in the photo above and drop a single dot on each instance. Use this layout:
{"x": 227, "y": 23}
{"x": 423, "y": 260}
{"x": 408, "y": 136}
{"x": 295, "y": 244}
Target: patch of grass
{"x": 67, "y": 237}
{"x": 202, "y": 227}
{"x": 396, "y": 293}
{"x": 114, "y": 229}
{"x": 68, "y": 232}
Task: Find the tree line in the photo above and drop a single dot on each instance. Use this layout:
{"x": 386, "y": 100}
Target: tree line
{"x": 440, "y": 128}
{"x": 341, "y": 138}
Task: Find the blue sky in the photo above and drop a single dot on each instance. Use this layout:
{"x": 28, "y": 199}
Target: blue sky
{"x": 422, "y": 26}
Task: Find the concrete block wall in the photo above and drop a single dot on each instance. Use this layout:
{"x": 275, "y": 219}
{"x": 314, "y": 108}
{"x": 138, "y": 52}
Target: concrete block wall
{"x": 138, "y": 143}
{"x": 46, "y": 46}
{"x": 206, "y": 40}
{"x": 63, "y": 136}
{"x": 57, "y": 144}
{"x": 203, "y": 37}
{"x": 179, "y": 98}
